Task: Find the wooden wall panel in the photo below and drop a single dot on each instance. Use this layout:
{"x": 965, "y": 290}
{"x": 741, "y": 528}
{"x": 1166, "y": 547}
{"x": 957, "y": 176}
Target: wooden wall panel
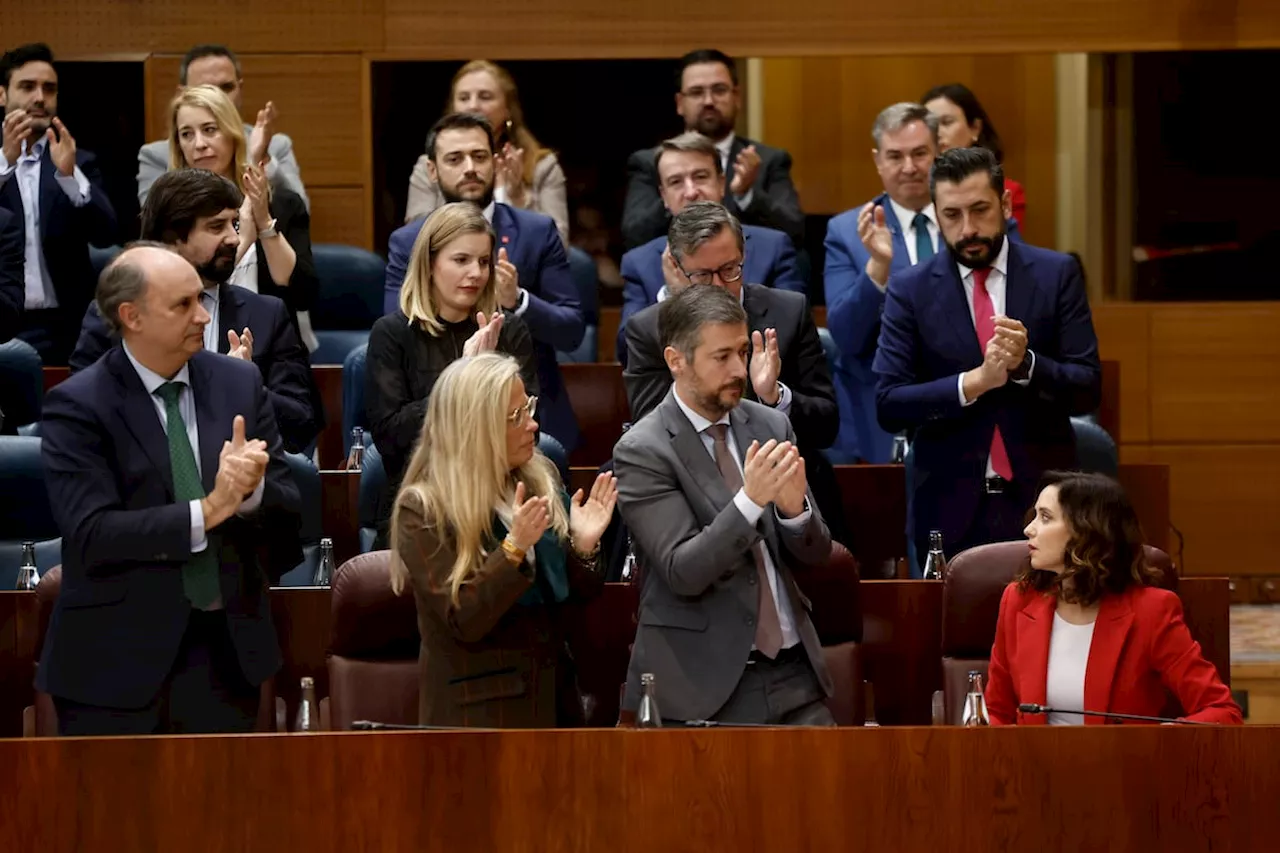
{"x": 1124, "y": 336}
{"x": 338, "y": 215}
{"x": 822, "y": 109}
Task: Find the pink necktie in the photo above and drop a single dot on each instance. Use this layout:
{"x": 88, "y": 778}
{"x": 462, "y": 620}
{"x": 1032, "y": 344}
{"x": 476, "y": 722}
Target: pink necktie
{"x": 984, "y": 321}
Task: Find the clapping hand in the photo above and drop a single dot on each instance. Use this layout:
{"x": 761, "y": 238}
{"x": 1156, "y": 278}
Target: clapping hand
{"x": 241, "y": 344}
{"x": 745, "y": 168}
{"x": 766, "y": 365}
{"x": 877, "y": 239}
{"x": 256, "y": 196}
{"x": 589, "y": 517}
{"x": 508, "y": 281}
{"x": 485, "y": 339}
{"x": 260, "y": 138}
{"x": 242, "y": 463}
{"x": 62, "y": 148}
{"x": 767, "y": 469}
{"x": 509, "y": 173}
{"x": 529, "y": 519}
{"x": 1012, "y": 336}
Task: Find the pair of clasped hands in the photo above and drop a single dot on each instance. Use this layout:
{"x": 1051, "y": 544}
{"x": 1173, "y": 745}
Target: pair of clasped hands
{"x": 242, "y": 463}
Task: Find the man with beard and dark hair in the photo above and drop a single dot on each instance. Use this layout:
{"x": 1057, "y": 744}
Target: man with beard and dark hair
{"x": 531, "y": 266}
{"x": 758, "y": 188}
{"x": 195, "y": 212}
{"x": 985, "y": 353}
{"x": 54, "y": 191}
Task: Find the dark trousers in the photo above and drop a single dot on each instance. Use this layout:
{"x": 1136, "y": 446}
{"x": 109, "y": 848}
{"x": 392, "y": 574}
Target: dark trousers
{"x": 784, "y": 691}
{"x": 52, "y": 332}
{"x": 205, "y": 692}
{"x": 999, "y": 518}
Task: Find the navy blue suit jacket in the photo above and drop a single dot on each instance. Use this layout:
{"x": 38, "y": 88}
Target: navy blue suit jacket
{"x": 13, "y": 288}
{"x": 554, "y": 315}
{"x": 854, "y": 304}
{"x": 769, "y": 258}
{"x": 927, "y": 340}
{"x": 121, "y": 613}
{"x": 66, "y": 230}
{"x": 279, "y": 353}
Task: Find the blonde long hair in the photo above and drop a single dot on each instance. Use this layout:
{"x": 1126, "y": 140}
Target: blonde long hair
{"x": 521, "y": 136}
{"x": 458, "y": 476}
{"x": 224, "y": 113}
{"x": 417, "y": 295}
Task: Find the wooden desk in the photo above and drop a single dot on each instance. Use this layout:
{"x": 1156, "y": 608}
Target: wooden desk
{"x": 1106, "y": 788}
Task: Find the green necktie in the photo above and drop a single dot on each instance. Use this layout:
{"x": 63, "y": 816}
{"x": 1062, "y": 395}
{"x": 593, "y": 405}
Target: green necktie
{"x": 200, "y": 574}
{"x": 924, "y": 244}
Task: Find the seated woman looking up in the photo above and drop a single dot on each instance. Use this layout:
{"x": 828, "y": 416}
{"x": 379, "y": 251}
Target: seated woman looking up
{"x": 1082, "y": 628}
{"x": 492, "y": 546}
{"x": 274, "y": 258}
{"x": 448, "y": 309}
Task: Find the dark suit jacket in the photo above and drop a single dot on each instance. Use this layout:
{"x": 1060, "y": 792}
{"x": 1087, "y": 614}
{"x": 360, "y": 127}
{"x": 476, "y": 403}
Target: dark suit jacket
{"x": 927, "y": 339}
{"x": 1140, "y": 653}
{"x": 699, "y": 597}
{"x": 66, "y": 231}
{"x": 554, "y": 315}
{"x": 769, "y": 259}
{"x": 854, "y": 305}
{"x": 804, "y": 367}
{"x": 488, "y": 661}
{"x": 121, "y": 613}
{"x": 277, "y": 350}
{"x": 774, "y": 200}
{"x": 13, "y": 287}
{"x": 293, "y": 221}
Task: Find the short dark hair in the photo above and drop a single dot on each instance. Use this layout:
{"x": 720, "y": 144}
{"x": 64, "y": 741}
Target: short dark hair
{"x": 700, "y": 221}
{"x": 457, "y": 121}
{"x": 962, "y": 96}
{"x": 682, "y": 315}
{"x": 1104, "y": 555}
{"x": 180, "y": 197}
{"x": 201, "y": 51}
{"x": 956, "y": 164}
{"x": 689, "y": 142}
{"x": 702, "y": 57}
{"x": 20, "y": 56}
{"x": 122, "y": 281}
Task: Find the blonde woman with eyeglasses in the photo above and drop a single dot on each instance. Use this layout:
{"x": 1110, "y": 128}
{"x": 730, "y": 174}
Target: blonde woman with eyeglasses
{"x": 492, "y": 547}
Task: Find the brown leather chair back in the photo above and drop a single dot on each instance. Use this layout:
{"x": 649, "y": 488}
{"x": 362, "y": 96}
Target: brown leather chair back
{"x": 975, "y": 581}
{"x": 847, "y": 702}
{"x": 373, "y": 651}
{"x": 834, "y": 590}
{"x": 599, "y": 401}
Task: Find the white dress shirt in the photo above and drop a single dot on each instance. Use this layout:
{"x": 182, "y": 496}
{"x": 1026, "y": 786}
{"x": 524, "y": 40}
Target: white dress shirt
{"x": 907, "y": 222}
{"x": 209, "y": 299}
{"x": 725, "y": 148}
{"x": 1068, "y": 660}
{"x": 997, "y": 281}
{"x": 752, "y": 511}
{"x": 39, "y": 287}
{"x": 187, "y": 406}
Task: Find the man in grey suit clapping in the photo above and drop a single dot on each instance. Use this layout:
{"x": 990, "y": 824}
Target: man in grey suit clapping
{"x": 714, "y": 493}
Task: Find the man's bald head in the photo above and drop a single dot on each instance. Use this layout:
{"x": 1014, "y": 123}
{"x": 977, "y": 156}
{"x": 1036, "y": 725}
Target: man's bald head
{"x": 150, "y": 296}
{"x": 125, "y": 278}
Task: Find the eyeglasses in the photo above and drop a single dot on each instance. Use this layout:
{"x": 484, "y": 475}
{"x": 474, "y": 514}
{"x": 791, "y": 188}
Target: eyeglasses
{"x": 697, "y": 93}
{"x": 728, "y": 273}
{"x": 520, "y": 416}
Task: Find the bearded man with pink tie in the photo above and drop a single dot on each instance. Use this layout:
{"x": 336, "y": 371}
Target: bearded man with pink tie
{"x": 985, "y": 354}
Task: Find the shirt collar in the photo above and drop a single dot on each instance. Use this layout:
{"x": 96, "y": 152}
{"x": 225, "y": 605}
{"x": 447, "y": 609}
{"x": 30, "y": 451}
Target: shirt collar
{"x": 724, "y": 146}
{"x": 1000, "y": 264}
{"x": 906, "y": 215}
{"x": 37, "y": 150}
{"x": 488, "y": 212}
{"x": 699, "y": 422}
{"x": 152, "y": 380}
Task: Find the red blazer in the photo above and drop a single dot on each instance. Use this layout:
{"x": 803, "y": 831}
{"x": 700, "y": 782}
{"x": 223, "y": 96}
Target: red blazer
{"x": 1141, "y": 652}
{"x": 1018, "y": 200}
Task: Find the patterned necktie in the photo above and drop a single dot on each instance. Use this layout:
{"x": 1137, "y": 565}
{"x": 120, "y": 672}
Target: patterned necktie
{"x": 924, "y": 243}
{"x": 768, "y": 627}
{"x": 983, "y": 313}
{"x": 200, "y": 573}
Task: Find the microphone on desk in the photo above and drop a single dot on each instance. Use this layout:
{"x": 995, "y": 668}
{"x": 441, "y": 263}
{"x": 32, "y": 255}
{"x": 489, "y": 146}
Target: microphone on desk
{"x": 1033, "y": 708}
{"x": 371, "y": 726}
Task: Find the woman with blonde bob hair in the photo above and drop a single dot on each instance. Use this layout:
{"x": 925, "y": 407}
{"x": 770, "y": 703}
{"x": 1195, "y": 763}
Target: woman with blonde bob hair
{"x": 525, "y": 173}
{"x": 491, "y": 545}
{"x": 274, "y": 255}
{"x": 448, "y": 309}
{"x": 1082, "y": 626}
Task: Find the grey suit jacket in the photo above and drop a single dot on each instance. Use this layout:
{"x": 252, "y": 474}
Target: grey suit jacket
{"x": 282, "y": 168}
{"x": 699, "y": 602}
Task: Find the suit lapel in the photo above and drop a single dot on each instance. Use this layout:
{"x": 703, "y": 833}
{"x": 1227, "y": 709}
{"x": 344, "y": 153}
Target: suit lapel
{"x": 693, "y": 453}
{"x": 138, "y": 411}
{"x": 1019, "y": 286}
{"x": 901, "y": 259}
{"x": 48, "y": 189}
{"x": 504, "y": 225}
{"x": 1034, "y": 627}
{"x": 1110, "y": 632}
{"x": 229, "y": 315}
{"x": 211, "y": 430}
{"x": 951, "y": 301}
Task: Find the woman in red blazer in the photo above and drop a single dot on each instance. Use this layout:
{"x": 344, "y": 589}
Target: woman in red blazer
{"x": 1081, "y": 626}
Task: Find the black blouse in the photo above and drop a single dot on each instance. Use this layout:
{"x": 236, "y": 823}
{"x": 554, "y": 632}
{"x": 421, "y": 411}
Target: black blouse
{"x": 294, "y": 224}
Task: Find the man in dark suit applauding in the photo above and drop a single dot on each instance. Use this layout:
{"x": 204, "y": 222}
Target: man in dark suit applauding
{"x": 194, "y": 212}
{"x": 177, "y": 511}
{"x": 714, "y": 492}
{"x": 758, "y": 190}
{"x": 985, "y": 353}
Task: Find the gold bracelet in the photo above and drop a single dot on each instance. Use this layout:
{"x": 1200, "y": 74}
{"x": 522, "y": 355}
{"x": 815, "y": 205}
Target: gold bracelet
{"x": 513, "y": 551}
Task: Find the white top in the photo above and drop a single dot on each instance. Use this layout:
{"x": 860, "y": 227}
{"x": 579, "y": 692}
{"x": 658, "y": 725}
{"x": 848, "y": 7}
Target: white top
{"x": 752, "y": 511}
{"x": 1068, "y": 659}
